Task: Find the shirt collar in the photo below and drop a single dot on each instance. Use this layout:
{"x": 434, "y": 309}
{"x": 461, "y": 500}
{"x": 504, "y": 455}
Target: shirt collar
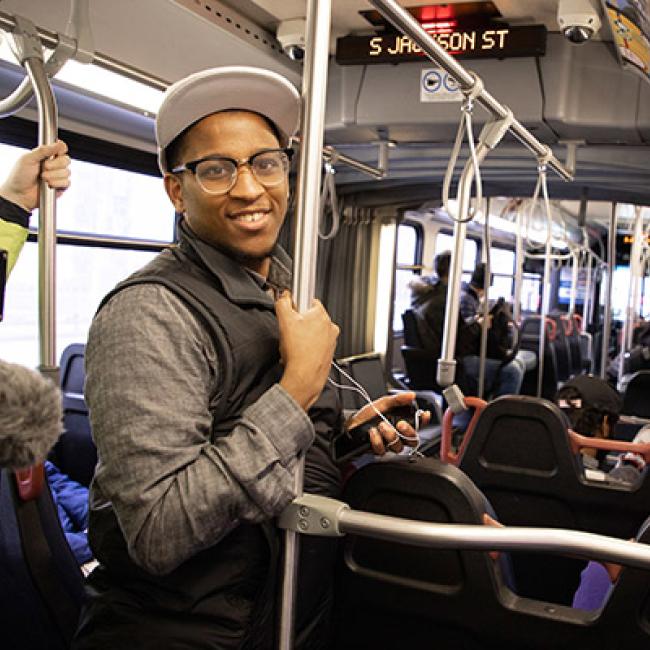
{"x": 239, "y": 284}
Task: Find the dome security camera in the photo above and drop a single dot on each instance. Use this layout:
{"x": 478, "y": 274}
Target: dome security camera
{"x": 291, "y": 34}
{"x": 578, "y": 20}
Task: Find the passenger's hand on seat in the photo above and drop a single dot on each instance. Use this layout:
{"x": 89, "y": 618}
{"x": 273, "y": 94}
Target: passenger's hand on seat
{"x": 307, "y": 343}
{"x": 383, "y": 438}
{"x": 490, "y": 521}
{"x": 49, "y": 162}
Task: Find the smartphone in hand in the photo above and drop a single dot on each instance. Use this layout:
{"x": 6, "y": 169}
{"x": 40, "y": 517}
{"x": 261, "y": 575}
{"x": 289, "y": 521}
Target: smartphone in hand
{"x": 347, "y": 445}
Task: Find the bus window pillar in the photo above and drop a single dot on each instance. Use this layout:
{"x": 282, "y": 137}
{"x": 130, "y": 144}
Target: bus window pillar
{"x": 607, "y": 321}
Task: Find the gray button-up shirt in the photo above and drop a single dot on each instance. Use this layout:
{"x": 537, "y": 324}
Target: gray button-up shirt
{"x": 151, "y": 368}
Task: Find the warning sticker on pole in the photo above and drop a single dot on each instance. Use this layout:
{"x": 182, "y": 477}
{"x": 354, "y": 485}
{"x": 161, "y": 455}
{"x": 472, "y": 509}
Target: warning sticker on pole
{"x": 436, "y": 85}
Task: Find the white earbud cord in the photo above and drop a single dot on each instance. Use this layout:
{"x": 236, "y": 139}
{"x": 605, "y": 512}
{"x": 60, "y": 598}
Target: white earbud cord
{"x": 358, "y": 388}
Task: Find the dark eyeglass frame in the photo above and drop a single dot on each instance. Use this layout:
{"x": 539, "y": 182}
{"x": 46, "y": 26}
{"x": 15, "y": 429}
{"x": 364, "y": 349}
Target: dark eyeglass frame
{"x": 193, "y": 164}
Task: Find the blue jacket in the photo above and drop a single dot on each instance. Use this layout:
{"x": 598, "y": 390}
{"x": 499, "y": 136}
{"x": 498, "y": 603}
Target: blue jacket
{"x": 71, "y": 501}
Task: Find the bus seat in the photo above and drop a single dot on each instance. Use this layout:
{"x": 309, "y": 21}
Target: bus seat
{"x": 389, "y": 595}
{"x": 520, "y": 456}
{"x": 421, "y": 367}
{"x": 75, "y": 453}
{"x": 561, "y": 346}
{"x": 41, "y": 585}
{"x": 530, "y": 341}
{"x": 575, "y": 347}
{"x": 411, "y": 334}
{"x": 635, "y": 400}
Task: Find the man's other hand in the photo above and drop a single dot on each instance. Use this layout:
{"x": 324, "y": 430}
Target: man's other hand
{"x": 383, "y": 438}
{"x": 49, "y": 162}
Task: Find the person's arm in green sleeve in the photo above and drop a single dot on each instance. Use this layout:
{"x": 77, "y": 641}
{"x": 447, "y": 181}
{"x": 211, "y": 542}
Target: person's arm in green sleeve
{"x": 19, "y": 193}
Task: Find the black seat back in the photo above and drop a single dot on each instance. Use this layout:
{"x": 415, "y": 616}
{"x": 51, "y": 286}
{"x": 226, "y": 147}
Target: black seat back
{"x": 519, "y": 455}
{"x": 75, "y": 453}
{"x": 421, "y": 367}
{"x": 411, "y": 335}
{"x": 636, "y": 400}
{"x": 390, "y": 594}
{"x": 41, "y": 585}
{"x": 561, "y": 347}
{"x": 530, "y": 341}
{"x": 575, "y": 345}
{"x": 368, "y": 370}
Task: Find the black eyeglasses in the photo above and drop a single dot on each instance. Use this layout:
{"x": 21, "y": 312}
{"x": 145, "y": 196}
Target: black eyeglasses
{"x": 218, "y": 175}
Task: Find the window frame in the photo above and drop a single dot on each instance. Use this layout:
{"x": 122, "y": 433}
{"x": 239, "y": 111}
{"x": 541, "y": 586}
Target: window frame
{"x": 416, "y": 268}
{"x": 22, "y": 133}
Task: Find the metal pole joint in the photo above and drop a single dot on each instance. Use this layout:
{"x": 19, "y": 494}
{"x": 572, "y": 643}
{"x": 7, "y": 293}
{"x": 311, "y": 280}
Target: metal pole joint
{"x": 311, "y": 514}
{"x": 24, "y": 40}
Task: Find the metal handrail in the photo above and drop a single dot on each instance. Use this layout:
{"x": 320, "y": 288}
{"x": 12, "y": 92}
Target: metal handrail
{"x": 325, "y": 517}
{"x": 409, "y": 26}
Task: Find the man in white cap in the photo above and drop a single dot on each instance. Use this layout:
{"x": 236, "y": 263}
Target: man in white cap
{"x": 199, "y": 383}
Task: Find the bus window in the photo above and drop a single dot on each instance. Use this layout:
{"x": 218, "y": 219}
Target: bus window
{"x": 502, "y": 266}
{"x": 102, "y": 202}
{"x": 531, "y": 292}
{"x": 409, "y": 264}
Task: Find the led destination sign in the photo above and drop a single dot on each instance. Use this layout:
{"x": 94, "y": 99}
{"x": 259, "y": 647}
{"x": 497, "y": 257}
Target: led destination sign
{"x": 500, "y": 42}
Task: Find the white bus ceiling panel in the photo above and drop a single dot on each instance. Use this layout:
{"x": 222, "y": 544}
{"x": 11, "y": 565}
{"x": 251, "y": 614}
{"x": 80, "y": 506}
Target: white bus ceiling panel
{"x": 88, "y": 115}
{"x": 588, "y": 96}
{"x": 390, "y": 95}
{"x": 162, "y": 37}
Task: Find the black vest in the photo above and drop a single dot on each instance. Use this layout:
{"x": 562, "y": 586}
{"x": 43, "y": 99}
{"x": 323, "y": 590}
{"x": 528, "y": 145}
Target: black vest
{"x": 224, "y": 596}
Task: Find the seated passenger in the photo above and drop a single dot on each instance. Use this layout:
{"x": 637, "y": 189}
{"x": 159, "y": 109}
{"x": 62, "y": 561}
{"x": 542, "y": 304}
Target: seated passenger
{"x": 502, "y": 377}
{"x": 71, "y": 499}
{"x": 593, "y": 408}
{"x": 428, "y": 302}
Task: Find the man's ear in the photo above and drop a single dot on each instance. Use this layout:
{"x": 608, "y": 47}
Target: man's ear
{"x": 174, "y": 189}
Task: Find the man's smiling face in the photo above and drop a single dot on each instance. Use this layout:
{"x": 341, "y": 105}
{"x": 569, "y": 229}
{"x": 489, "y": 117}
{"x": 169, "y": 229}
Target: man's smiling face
{"x": 245, "y": 221}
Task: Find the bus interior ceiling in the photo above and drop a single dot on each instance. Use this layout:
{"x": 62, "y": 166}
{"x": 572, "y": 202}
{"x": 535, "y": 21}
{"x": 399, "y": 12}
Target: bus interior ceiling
{"x": 559, "y": 97}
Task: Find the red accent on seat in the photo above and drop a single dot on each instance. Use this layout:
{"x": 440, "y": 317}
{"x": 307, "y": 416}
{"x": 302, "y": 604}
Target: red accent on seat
{"x": 567, "y": 325}
{"x": 579, "y": 442}
{"x": 552, "y": 328}
{"x": 30, "y": 482}
{"x": 577, "y": 321}
{"x": 446, "y": 454}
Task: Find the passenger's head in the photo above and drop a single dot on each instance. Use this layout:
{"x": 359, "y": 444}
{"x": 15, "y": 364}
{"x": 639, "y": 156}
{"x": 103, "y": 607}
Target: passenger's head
{"x": 477, "y": 280}
{"x": 208, "y": 125}
{"x": 591, "y": 404}
{"x": 441, "y": 264}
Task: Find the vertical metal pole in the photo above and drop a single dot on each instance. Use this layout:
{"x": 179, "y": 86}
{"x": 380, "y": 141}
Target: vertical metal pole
{"x": 574, "y": 283}
{"x": 47, "y": 134}
{"x": 607, "y": 321}
{"x": 519, "y": 268}
{"x": 633, "y": 291}
{"x": 306, "y": 244}
{"x": 546, "y": 285}
{"x": 586, "y": 316}
{"x": 447, "y": 364}
{"x": 485, "y": 325}
{"x": 636, "y": 276}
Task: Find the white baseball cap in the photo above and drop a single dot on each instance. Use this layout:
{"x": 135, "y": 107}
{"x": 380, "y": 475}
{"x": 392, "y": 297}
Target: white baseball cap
{"x": 229, "y": 87}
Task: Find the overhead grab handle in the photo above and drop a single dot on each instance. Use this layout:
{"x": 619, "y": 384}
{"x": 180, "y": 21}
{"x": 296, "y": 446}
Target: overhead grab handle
{"x": 465, "y": 127}
{"x": 328, "y": 195}
{"x": 490, "y": 137}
